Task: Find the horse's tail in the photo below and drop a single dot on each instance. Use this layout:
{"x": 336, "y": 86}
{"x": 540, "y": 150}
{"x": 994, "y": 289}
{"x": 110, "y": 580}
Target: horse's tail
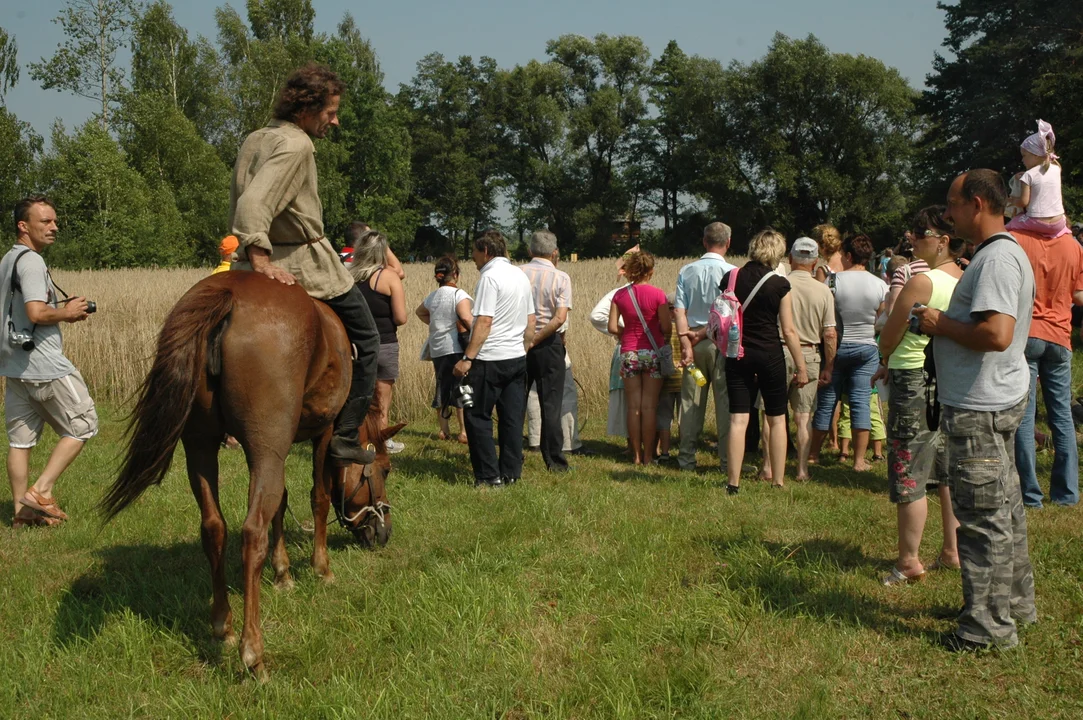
{"x": 191, "y": 330}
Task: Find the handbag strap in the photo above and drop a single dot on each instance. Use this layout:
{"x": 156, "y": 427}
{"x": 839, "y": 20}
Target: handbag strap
{"x": 751, "y": 295}
{"x": 642, "y": 322}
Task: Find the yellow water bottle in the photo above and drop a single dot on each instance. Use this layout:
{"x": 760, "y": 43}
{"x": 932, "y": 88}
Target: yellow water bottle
{"x": 697, "y": 375}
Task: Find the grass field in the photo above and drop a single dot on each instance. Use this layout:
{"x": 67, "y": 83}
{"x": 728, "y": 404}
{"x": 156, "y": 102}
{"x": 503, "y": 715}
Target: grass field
{"x": 604, "y": 593}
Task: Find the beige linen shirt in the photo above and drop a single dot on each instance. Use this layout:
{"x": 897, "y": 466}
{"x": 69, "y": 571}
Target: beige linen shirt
{"x": 274, "y": 205}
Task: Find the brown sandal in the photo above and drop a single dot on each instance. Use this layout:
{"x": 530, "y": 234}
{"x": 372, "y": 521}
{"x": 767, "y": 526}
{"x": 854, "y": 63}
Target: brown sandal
{"x": 46, "y": 506}
{"x": 29, "y": 518}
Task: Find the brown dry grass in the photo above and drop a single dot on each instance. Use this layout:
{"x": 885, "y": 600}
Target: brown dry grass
{"x": 115, "y": 347}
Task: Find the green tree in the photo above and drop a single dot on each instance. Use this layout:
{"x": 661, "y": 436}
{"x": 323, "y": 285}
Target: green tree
{"x": 165, "y": 148}
{"x": 455, "y": 135}
{"x": 570, "y": 128}
{"x": 365, "y": 165}
{"x": 188, "y": 74}
{"x": 18, "y": 163}
{"x": 86, "y": 63}
{"x": 109, "y": 214}
{"x": 9, "y": 63}
{"x": 1007, "y": 64}
{"x": 820, "y": 137}
{"x": 258, "y": 59}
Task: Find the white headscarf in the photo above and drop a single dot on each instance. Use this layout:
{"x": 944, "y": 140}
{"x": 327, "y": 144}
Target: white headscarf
{"x": 1036, "y": 144}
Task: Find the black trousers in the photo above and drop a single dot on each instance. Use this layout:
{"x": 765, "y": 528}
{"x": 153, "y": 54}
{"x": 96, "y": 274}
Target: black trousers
{"x": 545, "y": 366}
{"x": 355, "y": 315}
{"x": 499, "y": 384}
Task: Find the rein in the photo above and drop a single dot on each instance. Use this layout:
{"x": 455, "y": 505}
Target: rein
{"x": 378, "y": 508}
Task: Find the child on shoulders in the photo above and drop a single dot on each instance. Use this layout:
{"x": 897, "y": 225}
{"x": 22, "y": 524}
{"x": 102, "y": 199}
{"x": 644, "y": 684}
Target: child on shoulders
{"x": 1037, "y": 190}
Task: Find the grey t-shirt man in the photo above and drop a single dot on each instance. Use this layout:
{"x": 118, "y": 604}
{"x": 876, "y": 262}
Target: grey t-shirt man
{"x": 46, "y": 361}
{"x": 999, "y": 279}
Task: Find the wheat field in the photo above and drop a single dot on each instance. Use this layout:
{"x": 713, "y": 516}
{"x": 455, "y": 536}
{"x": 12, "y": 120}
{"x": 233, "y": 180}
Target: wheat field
{"x": 115, "y": 347}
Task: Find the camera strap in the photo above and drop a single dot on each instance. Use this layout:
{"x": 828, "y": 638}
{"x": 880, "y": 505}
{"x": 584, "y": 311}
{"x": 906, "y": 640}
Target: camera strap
{"x": 15, "y": 285}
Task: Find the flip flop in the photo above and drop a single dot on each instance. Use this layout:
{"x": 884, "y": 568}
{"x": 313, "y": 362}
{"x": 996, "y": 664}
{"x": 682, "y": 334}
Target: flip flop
{"x": 897, "y": 578}
{"x": 938, "y": 564}
{"x": 46, "y": 506}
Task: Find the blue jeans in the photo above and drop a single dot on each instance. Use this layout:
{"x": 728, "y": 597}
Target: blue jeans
{"x": 1053, "y": 364}
{"x": 854, "y": 367}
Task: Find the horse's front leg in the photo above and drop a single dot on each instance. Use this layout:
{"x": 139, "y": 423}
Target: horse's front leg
{"x": 321, "y": 504}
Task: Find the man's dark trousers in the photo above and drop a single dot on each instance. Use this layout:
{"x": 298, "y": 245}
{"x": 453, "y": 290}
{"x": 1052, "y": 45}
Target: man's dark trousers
{"x": 499, "y": 384}
{"x": 353, "y": 311}
{"x": 545, "y": 366}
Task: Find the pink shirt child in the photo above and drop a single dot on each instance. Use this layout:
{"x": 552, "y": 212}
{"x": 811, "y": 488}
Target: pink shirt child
{"x": 649, "y": 298}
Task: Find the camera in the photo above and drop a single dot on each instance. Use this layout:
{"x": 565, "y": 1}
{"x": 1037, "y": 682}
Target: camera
{"x": 465, "y": 395}
{"x": 91, "y": 307}
{"x": 21, "y": 339}
{"x": 915, "y": 321}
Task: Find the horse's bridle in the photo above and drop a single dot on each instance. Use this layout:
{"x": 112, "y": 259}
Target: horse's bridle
{"x": 378, "y": 507}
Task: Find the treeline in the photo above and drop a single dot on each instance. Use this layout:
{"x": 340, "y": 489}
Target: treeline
{"x": 599, "y": 133}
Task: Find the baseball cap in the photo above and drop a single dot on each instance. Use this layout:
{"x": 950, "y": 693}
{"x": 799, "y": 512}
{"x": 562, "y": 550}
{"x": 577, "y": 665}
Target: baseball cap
{"x": 805, "y": 248}
{"x": 229, "y": 245}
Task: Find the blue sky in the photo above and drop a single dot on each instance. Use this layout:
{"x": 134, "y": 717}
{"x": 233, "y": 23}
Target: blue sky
{"x": 901, "y": 33}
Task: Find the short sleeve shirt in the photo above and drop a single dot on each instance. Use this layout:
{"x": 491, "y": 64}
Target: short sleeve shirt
{"x": 443, "y": 320}
{"x": 503, "y": 293}
{"x": 1045, "y": 193}
{"x": 998, "y": 279}
{"x": 552, "y": 289}
{"x": 760, "y": 332}
{"x": 650, "y": 298}
{"x": 1058, "y": 273}
{"x": 697, "y": 287}
{"x": 858, "y": 295}
{"x": 813, "y": 307}
{"x": 46, "y": 361}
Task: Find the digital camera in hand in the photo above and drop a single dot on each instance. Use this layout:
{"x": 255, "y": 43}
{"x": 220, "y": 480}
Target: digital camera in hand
{"x": 465, "y": 395}
{"x": 915, "y": 321}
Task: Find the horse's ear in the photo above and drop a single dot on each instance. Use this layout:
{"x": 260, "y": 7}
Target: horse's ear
{"x": 389, "y": 432}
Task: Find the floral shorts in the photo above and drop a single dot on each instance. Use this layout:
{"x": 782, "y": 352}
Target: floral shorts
{"x": 639, "y": 362}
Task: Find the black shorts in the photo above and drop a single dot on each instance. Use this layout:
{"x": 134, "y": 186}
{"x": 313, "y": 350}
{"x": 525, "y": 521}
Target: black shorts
{"x": 757, "y": 372}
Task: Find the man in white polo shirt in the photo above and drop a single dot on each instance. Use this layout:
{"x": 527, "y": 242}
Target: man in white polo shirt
{"x": 494, "y": 362}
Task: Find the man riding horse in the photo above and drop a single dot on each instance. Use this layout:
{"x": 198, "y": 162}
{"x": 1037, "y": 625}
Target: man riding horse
{"x": 276, "y": 214}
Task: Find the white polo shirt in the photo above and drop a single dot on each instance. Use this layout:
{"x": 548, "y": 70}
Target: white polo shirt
{"x": 503, "y": 293}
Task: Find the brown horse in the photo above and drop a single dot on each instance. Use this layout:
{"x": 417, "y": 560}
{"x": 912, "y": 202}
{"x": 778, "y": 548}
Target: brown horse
{"x": 245, "y": 355}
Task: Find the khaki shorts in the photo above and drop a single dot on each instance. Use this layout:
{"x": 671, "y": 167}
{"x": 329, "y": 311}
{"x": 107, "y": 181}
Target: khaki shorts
{"x": 803, "y": 399}
{"x": 63, "y": 403}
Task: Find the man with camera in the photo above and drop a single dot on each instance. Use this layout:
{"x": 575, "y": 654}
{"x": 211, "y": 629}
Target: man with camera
{"x": 493, "y": 367}
{"x": 42, "y": 385}
{"x": 983, "y": 383}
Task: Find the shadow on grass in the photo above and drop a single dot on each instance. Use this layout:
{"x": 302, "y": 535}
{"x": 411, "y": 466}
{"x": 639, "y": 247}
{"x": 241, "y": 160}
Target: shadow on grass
{"x": 837, "y": 474}
{"x": 807, "y": 579}
{"x": 168, "y": 587}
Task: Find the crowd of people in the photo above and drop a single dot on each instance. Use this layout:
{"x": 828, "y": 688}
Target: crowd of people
{"x": 953, "y": 330}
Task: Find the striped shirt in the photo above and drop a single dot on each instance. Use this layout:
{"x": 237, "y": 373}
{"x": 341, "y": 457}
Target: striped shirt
{"x": 551, "y": 288}
{"x": 903, "y": 274}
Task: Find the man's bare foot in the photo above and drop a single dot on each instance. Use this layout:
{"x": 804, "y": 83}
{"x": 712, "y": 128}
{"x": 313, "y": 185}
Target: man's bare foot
{"x": 802, "y": 478}
{"x": 861, "y": 467}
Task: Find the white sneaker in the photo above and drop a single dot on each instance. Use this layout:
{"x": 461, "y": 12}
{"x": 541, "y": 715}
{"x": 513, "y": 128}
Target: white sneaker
{"x": 394, "y": 447}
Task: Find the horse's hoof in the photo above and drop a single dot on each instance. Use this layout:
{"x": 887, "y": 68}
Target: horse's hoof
{"x": 227, "y": 638}
{"x": 259, "y": 672}
{"x": 284, "y": 582}
{"x": 327, "y": 577}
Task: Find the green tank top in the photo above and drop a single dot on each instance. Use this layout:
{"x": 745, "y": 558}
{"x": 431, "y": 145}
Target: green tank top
{"x": 910, "y": 354}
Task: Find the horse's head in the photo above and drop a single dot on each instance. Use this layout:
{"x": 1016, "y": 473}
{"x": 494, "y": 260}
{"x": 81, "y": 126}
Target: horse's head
{"x": 359, "y": 495}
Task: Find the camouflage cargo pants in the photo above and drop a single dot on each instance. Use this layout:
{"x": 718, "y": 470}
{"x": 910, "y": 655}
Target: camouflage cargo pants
{"x": 998, "y": 582}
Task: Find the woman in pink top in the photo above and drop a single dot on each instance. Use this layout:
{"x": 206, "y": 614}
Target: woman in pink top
{"x": 639, "y": 364}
